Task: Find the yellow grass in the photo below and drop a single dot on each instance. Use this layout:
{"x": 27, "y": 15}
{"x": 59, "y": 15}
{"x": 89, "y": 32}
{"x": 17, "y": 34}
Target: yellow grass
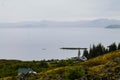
{"x": 102, "y": 59}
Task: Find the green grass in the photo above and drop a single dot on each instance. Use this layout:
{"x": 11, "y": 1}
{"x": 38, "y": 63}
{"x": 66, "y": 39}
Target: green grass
{"x": 64, "y": 69}
{"x": 94, "y": 66}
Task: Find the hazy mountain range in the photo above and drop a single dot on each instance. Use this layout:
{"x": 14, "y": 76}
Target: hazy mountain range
{"x": 82, "y": 23}
{"x": 113, "y": 26}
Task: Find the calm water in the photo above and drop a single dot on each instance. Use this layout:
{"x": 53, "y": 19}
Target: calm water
{"x": 44, "y": 43}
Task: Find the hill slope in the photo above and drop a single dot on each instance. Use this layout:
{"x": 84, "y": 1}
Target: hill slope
{"x": 105, "y": 67}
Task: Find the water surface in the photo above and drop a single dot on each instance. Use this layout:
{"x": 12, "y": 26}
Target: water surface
{"x": 44, "y": 43}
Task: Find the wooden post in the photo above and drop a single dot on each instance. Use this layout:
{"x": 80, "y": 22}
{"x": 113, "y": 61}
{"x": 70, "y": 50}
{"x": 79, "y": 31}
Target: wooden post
{"x": 78, "y": 53}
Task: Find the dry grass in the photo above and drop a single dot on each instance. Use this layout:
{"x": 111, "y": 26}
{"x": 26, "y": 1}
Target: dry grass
{"x": 6, "y": 78}
{"x": 101, "y": 60}
{"x": 94, "y": 66}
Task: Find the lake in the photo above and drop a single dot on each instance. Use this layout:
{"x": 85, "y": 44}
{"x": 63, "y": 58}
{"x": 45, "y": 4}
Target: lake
{"x": 45, "y": 43}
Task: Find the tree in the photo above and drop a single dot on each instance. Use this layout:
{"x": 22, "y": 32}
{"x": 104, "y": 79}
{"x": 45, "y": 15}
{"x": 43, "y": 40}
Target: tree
{"x": 112, "y": 47}
{"x": 100, "y": 49}
{"x": 85, "y": 53}
{"x": 97, "y": 50}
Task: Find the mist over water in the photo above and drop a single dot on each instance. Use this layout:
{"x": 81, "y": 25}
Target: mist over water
{"x": 45, "y": 43}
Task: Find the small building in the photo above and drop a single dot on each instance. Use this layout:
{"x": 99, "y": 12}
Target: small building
{"x": 82, "y": 58}
{"x": 25, "y": 71}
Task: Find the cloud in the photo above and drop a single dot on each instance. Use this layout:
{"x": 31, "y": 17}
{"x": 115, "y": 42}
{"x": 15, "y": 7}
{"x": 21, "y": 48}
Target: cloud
{"x": 22, "y": 10}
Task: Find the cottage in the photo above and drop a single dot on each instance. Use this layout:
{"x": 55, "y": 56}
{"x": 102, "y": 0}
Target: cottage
{"x": 25, "y": 71}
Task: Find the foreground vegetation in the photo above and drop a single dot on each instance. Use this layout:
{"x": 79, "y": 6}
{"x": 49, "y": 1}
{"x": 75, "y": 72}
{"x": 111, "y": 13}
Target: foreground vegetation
{"x": 105, "y": 66}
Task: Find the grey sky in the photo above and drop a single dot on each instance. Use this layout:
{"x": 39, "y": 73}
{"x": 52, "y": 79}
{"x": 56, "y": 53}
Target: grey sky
{"x": 36, "y": 10}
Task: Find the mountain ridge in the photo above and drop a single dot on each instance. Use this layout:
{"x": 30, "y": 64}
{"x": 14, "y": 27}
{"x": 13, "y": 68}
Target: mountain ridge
{"x": 45, "y": 23}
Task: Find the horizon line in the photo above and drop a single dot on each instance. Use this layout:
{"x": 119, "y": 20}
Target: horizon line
{"x": 45, "y": 20}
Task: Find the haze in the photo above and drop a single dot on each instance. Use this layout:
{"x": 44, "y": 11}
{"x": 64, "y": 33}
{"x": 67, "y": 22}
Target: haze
{"x": 65, "y": 10}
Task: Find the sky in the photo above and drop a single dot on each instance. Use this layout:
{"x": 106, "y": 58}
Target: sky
{"x": 58, "y": 10}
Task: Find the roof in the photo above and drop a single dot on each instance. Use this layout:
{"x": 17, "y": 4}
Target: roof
{"x": 24, "y": 70}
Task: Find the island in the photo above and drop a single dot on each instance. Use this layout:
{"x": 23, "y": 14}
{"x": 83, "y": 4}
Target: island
{"x": 113, "y": 26}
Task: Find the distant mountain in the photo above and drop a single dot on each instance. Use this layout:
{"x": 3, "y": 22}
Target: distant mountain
{"x": 113, "y": 26}
{"x": 82, "y": 23}
{"x": 22, "y": 25}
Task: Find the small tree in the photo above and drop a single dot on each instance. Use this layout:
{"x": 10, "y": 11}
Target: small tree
{"x": 85, "y": 53}
{"x": 112, "y": 47}
{"x": 97, "y": 50}
{"x": 74, "y": 73}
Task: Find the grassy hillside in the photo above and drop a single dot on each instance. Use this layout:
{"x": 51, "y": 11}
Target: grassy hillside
{"x": 100, "y": 67}
{"x": 106, "y": 67}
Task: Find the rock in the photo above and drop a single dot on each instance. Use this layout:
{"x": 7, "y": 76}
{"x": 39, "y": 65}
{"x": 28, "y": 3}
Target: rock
{"x": 117, "y": 60}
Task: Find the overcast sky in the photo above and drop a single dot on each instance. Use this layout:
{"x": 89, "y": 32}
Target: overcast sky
{"x": 37, "y": 10}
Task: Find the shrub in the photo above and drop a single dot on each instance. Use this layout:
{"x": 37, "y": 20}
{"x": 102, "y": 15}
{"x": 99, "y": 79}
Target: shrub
{"x": 74, "y": 73}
